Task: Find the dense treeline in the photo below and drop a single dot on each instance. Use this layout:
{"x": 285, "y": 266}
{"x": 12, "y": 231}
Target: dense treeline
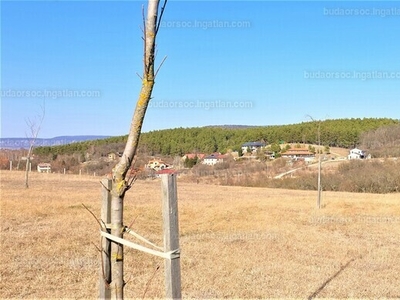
{"x": 334, "y": 133}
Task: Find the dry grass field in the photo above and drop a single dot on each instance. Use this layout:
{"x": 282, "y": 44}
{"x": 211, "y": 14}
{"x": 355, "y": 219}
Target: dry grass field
{"x": 236, "y": 242}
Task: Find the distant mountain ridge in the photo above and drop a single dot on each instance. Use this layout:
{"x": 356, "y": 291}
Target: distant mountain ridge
{"x": 24, "y": 143}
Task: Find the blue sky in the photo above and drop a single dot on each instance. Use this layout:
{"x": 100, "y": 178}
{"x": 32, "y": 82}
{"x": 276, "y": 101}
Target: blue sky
{"x": 228, "y": 62}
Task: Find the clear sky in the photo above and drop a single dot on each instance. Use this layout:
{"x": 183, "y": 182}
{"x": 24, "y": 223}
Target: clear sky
{"x": 228, "y": 62}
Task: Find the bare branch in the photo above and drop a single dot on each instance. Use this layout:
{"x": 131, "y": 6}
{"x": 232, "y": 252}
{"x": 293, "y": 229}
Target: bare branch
{"x": 98, "y": 249}
{"x": 144, "y": 40}
{"x": 161, "y": 15}
{"x": 105, "y": 186}
{"x": 159, "y": 67}
{"x": 130, "y": 225}
{"x": 150, "y": 280}
{"x": 97, "y": 220}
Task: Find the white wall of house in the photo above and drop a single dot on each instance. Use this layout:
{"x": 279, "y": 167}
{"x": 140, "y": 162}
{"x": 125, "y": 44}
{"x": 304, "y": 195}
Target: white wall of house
{"x": 157, "y": 165}
{"x": 356, "y": 154}
{"x": 210, "y": 161}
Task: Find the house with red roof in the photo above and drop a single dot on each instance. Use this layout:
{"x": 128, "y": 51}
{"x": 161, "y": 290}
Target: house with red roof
{"x": 299, "y": 154}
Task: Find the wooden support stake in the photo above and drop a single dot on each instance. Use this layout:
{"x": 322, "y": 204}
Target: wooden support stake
{"x": 105, "y": 269}
{"x": 171, "y": 235}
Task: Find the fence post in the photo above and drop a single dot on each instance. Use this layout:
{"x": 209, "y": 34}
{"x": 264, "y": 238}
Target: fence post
{"x": 105, "y": 268}
{"x": 171, "y": 235}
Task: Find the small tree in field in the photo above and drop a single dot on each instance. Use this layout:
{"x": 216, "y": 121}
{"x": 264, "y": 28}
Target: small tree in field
{"x": 120, "y": 180}
{"x": 34, "y": 128}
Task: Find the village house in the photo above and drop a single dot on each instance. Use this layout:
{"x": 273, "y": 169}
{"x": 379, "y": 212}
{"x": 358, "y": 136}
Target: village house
{"x": 356, "y": 154}
{"x": 156, "y": 164}
{"x": 213, "y": 159}
{"x": 299, "y": 154}
{"x": 252, "y": 147}
{"x": 44, "y": 168}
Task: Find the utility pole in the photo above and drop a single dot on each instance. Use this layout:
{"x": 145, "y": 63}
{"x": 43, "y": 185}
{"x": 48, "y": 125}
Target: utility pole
{"x": 319, "y": 167}
{"x": 319, "y": 190}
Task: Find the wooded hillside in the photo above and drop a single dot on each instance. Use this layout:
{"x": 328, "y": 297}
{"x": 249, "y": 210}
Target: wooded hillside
{"x": 334, "y": 133}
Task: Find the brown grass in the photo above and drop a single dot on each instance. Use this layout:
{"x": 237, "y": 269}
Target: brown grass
{"x": 236, "y": 242}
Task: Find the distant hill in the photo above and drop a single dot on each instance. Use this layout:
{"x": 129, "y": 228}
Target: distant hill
{"x": 24, "y": 143}
{"x": 233, "y": 126}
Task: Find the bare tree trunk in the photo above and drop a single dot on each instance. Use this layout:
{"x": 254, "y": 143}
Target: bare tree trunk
{"x": 120, "y": 184}
{"x": 28, "y": 160}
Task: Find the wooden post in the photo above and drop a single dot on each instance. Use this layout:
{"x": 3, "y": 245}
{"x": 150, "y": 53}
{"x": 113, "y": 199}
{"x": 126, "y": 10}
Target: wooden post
{"x": 105, "y": 269}
{"x": 171, "y": 235}
{"x": 319, "y": 183}
{"x": 319, "y": 166}
{"x": 10, "y": 165}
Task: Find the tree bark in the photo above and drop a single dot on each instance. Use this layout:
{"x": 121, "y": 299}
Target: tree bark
{"x": 28, "y": 161}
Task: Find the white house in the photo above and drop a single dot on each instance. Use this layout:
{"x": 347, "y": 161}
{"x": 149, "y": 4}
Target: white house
{"x": 252, "y": 146}
{"x": 44, "y": 168}
{"x": 213, "y": 159}
{"x": 356, "y": 154}
{"x": 156, "y": 164}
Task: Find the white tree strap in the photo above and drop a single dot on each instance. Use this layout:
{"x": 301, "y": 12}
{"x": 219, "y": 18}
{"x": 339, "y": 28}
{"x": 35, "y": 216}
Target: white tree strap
{"x": 138, "y": 236}
{"x": 168, "y": 255}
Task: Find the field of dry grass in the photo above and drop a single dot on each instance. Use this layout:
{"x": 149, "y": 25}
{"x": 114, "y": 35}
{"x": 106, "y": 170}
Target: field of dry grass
{"x": 236, "y": 242}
